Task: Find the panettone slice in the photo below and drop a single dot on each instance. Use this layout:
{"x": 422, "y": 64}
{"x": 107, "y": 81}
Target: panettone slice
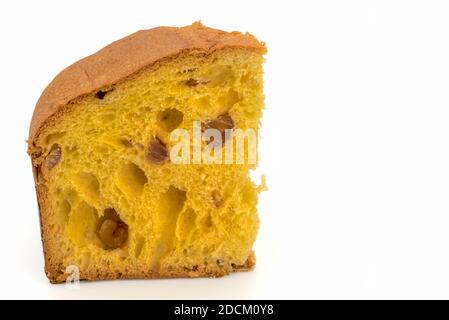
{"x": 136, "y": 164}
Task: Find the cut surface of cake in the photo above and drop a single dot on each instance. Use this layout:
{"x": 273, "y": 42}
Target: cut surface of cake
{"x": 136, "y": 160}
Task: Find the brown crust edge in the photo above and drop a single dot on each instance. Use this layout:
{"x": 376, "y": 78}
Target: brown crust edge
{"x": 200, "y": 272}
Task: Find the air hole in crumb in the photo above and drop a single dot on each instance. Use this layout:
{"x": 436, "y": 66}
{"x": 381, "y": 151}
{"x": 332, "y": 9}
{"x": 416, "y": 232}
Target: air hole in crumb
{"x": 53, "y": 137}
{"x": 170, "y": 119}
{"x": 131, "y": 179}
{"x": 203, "y": 103}
{"x": 82, "y": 223}
{"x": 219, "y": 75}
{"x": 62, "y": 214}
{"x": 88, "y": 185}
{"x": 172, "y": 201}
{"x": 71, "y": 196}
{"x": 228, "y": 100}
{"x": 139, "y": 246}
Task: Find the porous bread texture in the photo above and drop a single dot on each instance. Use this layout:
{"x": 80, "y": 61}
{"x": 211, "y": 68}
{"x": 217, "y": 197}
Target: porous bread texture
{"x": 90, "y": 141}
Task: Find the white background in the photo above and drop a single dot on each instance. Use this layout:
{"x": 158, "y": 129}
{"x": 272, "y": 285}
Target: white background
{"x": 355, "y": 143}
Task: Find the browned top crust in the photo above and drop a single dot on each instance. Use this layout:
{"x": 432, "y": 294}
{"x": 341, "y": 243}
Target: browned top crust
{"x": 127, "y": 56}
